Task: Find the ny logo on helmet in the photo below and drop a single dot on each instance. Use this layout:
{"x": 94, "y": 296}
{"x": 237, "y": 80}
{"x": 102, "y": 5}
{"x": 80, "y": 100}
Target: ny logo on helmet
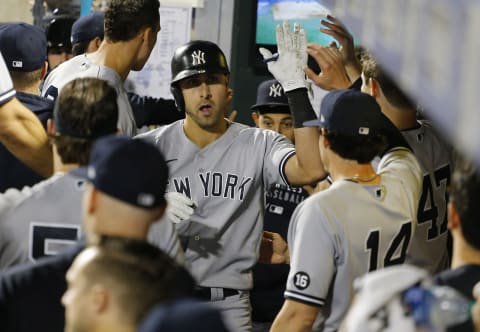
{"x": 198, "y": 57}
{"x": 275, "y": 90}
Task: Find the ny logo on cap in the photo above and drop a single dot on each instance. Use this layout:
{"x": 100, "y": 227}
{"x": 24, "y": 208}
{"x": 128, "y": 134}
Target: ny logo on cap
{"x": 275, "y": 90}
{"x": 17, "y": 64}
{"x": 198, "y": 57}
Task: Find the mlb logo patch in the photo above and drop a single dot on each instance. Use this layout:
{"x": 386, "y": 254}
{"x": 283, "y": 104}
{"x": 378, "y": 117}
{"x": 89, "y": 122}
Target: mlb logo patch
{"x": 17, "y": 64}
{"x": 363, "y": 130}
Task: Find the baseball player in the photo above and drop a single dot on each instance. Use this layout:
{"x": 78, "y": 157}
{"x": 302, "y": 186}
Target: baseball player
{"x": 20, "y": 130}
{"x": 131, "y": 29}
{"x": 271, "y": 111}
{"x": 226, "y": 167}
{"x": 58, "y": 38}
{"x": 363, "y": 222}
{"x": 437, "y": 158}
{"x": 24, "y": 47}
{"x": 463, "y": 223}
{"x": 47, "y": 218}
{"x": 30, "y": 294}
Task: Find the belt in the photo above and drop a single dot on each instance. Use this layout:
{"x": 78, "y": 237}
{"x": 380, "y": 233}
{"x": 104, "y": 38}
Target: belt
{"x": 211, "y": 294}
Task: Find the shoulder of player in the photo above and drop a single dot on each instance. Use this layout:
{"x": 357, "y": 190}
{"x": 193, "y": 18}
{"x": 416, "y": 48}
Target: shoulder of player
{"x": 157, "y": 135}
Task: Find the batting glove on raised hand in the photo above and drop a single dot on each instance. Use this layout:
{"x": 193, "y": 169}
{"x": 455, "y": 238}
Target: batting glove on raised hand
{"x": 292, "y": 57}
{"x": 179, "y": 207}
{"x": 7, "y": 91}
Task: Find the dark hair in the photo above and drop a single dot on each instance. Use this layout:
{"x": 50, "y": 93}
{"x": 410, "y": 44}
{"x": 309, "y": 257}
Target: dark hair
{"x": 371, "y": 69}
{"x": 23, "y": 80}
{"x": 80, "y": 47}
{"x": 464, "y": 192}
{"x": 87, "y": 105}
{"x": 139, "y": 274}
{"x": 124, "y": 19}
{"x": 359, "y": 148}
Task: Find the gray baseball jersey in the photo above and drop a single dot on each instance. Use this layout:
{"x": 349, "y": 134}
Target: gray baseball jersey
{"x": 49, "y": 219}
{"x": 80, "y": 66}
{"x": 436, "y": 158}
{"x": 349, "y": 229}
{"x": 227, "y": 179}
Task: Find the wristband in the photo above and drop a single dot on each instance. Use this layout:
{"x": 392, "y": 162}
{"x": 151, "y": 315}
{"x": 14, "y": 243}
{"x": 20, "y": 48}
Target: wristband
{"x": 300, "y": 107}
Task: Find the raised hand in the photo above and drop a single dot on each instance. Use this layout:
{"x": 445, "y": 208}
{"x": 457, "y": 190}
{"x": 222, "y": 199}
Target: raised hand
{"x": 288, "y": 67}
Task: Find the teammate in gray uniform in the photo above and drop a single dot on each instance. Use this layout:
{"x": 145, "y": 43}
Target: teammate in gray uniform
{"x": 437, "y": 158}
{"x": 363, "y": 222}
{"x": 226, "y": 167}
{"x": 131, "y": 29}
{"x": 271, "y": 112}
{"x": 48, "y": 217}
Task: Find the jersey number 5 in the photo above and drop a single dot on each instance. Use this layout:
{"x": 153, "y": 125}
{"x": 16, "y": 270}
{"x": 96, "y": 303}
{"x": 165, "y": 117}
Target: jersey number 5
{"x": 49, "y": 239}
{"x": 396, "y": 251}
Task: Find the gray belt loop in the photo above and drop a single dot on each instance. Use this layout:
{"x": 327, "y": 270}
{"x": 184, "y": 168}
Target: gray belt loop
{"x": 216, "y": 294}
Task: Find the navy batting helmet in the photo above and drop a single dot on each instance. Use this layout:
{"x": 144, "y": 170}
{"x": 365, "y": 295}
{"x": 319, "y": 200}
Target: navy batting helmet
{"x": 193, "y": 58}
{"x": 58, "y": 33}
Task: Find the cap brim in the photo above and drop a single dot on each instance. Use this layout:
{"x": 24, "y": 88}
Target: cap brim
{"x": 312, "y": 123}
{"x": 81, "y": 172}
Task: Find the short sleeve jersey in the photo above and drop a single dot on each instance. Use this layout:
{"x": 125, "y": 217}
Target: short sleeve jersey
{"x": 80, "y": 66}
{"x": 227, "y": 179}
{"x": 49, "y": 219}
{"x": 436, "y": 158}
{"x": 349, "y": 229}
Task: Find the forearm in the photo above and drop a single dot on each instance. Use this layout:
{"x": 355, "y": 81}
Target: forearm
{"x": 307, "y": 164}
{"x": 23, "y": 135}
{"x": 294, "y": 320}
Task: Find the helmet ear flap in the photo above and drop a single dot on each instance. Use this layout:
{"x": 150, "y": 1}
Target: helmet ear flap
{"x": 178, "y": 97}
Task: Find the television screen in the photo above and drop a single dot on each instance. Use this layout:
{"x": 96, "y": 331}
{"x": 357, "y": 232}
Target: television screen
{"x": 308, "y": 13}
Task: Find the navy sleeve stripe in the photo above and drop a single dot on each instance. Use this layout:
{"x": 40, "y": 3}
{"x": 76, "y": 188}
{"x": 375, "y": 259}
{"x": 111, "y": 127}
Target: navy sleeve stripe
{"x": 6, "y": 96}
{"x": 282, "y": 165}
{"x": 304, "y": 298}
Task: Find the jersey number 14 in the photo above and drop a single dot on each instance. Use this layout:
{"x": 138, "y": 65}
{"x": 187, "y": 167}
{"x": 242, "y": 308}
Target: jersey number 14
{"x": 396, "y": 251}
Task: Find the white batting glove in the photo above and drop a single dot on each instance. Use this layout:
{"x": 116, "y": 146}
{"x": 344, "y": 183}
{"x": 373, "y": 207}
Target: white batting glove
{"x": 292, "y": 57}
{"x": 7, "y": 91}
{"x": 179, "y": 207}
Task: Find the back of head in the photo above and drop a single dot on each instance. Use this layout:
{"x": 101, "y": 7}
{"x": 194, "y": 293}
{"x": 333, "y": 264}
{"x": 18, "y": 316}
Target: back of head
{"x": 124, "y": 19}
{"x": 85, "y": 110}
{"x": 138, "y": 275}
{"x": 24, "y": 48}
{"x": 464, "y": 192}
{"x": 85, "y": 29}
{"x": 353, "y": 123}
{"x": 271, "y": 98}
{"x": 391, "y": 91}
{"x": 194, "y": 58}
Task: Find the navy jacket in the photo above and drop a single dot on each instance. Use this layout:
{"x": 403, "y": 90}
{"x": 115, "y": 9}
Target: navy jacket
{"x": 14, "y": 173}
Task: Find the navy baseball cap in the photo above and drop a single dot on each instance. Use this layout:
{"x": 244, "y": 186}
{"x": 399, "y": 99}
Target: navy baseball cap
{"x": 271, "y": 98}
{"x": 131, "y": 170}
{"x": 183, "y": 316}
{"x": 23, "y": 46}
{"x": 349, "y": 112}
{"x": 88, "y": 27}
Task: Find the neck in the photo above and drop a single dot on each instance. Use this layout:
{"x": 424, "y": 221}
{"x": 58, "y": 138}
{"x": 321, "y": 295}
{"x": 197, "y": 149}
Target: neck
{"x": 343, "y": 169}
{"x": 202, "y": 137}
{"x": 59, "y": 166}
{"x": 115, "y": 56}
{"x": 401, "y": 118}
{"x": 32, "y": 89}
{"x": 463, "y": 253}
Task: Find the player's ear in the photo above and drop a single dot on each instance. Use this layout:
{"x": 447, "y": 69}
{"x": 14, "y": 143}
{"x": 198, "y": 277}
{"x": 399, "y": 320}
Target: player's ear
{"x": 50, "y": 127}
{"x": 100, "y": 298}
{"x": 375, "y": 89}
{"x": 229, "y": 96}
{"x": 453, "y": 217}
{"x": 326, "y": 142}
{"x": 255, "y": 118}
